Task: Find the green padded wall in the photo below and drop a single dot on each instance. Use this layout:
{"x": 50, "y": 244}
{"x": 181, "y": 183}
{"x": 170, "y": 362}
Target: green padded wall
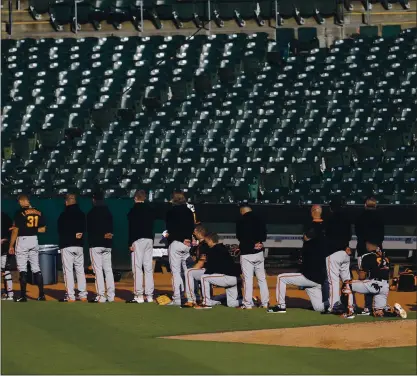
{"x": 52, "y": 208}
{"x": 369, "y": 31}
{"x": 391, "y": 31}
{"x": 306, "y": 34}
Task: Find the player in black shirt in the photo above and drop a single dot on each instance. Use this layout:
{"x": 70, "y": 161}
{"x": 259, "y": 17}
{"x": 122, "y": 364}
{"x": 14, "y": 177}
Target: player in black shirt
{"x": 369, "y": 225}
{"x": 180, "y": 227}
{"x": 220, "y": 271}
{"x": 373, "y": 279}
{"x": 28, "y": 221}
{"x": 6, "y": 225}
{"x": 100, "y": 240}
{"x": 313, "y": 269}
{"x": 195, "y": 273}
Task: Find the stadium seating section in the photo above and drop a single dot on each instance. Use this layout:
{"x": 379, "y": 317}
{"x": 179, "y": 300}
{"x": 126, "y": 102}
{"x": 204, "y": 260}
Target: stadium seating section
{"x": 116, "y": 12}
{"x": 209, "y": 114}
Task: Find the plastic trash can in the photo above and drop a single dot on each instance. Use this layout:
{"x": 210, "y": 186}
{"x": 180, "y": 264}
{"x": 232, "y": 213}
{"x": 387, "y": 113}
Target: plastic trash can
{"x": 48, "y": 263}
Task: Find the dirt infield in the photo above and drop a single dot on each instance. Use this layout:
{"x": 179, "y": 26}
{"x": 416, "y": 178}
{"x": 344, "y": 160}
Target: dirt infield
{"x": 295, "y": 298}
{"x": 340, "y": 337}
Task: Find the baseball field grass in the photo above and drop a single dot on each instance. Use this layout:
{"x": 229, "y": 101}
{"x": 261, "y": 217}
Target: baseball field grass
{"x": 79, "y": 338}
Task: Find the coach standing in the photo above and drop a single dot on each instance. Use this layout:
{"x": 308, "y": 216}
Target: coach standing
{"x": 141, "y": 220}
{"x": 100, "y": 235}
{"x": 180, "y": 228}
{"x": 251, "y": 233}
{"x": 71, "y": 230}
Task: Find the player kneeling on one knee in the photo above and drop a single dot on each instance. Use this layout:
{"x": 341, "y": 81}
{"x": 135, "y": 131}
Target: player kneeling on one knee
{"x": 220, "y": 271}
{"x": 197, "y": 271}
{"x": 373, "y": 280}
{"x": 313, "y": 268}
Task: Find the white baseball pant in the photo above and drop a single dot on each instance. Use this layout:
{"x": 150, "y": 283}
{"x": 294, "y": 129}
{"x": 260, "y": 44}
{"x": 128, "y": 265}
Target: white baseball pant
{"x": 7, "y": 276}
{"x": 254, "y": 264}
{"x": 368, "y": 297}
{"x": 378, "y": 289}
{"x": 142, "y": 256}
{"x": 73, "y": 257}
{"x": 101, "y": 262}
{"x": 191, "y": 276}
{"x": 313, "y": 289}
{"x": 27, "y": 250}
{"x": 177, "y": 253}
{"x": 337, "y": 265}
{"x": 221, "y": 280}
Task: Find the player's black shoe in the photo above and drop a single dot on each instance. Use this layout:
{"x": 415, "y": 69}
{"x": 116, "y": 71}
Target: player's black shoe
{"x": 21, "y": 299}
{"x": 41, "y": 298}
{"x": 276, "y": 309}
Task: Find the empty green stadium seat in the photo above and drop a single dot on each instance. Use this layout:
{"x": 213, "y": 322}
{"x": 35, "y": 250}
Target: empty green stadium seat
{"x": 222, "y": 116}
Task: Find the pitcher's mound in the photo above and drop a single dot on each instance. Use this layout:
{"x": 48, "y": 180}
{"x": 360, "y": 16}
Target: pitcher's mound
{"x": 342, "y": 337}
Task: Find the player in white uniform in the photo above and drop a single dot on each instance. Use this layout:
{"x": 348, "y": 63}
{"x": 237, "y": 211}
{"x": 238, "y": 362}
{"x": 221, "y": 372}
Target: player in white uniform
{"x": 100, "y": 235}
{"x": 141, "y": 235}
{"x": 71, "y": 230}
{"x": 180, "y": 227}
{"x": 195, "y": 273}
{"x": 373, "y": 280}
{"x": 313, "y": 270}
{"x": 28, "y": 221}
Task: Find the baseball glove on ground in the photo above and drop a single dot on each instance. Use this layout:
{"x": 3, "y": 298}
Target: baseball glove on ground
{"x": 163, "y": 300}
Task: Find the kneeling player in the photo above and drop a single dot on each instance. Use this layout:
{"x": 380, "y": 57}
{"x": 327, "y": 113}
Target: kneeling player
{"x": 220, "y": 271}
{"x": 373, "y": 280}
{"x": 195, "y": 273}
{"x": 313, "y": 269}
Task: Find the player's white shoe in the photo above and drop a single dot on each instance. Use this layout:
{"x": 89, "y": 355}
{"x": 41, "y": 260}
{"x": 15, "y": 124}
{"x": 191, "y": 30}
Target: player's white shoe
{"x": 7, "y": 297}
{"x": 137, "y": 300}
{"x": 400, "y": 310}
{"x": 149, "y": 299}
{"x": 348, "y": 316}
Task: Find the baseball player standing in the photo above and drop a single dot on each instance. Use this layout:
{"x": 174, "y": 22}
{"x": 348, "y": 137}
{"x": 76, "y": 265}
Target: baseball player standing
{"x": 313, "y": 269}
{"x": 71, "y": 230}
{"x": 141, "y": 235}
{"x": 180, "y": 228}
{"x": 100, "y": 235}
{"x": 28, "y": 221}
{"x": 6, "y": 225}
{"x": 373, "y": 280}
{"x": 251, "y": 233}
{"x": 338, "y": 235}
{"x": 368, "y": 225}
